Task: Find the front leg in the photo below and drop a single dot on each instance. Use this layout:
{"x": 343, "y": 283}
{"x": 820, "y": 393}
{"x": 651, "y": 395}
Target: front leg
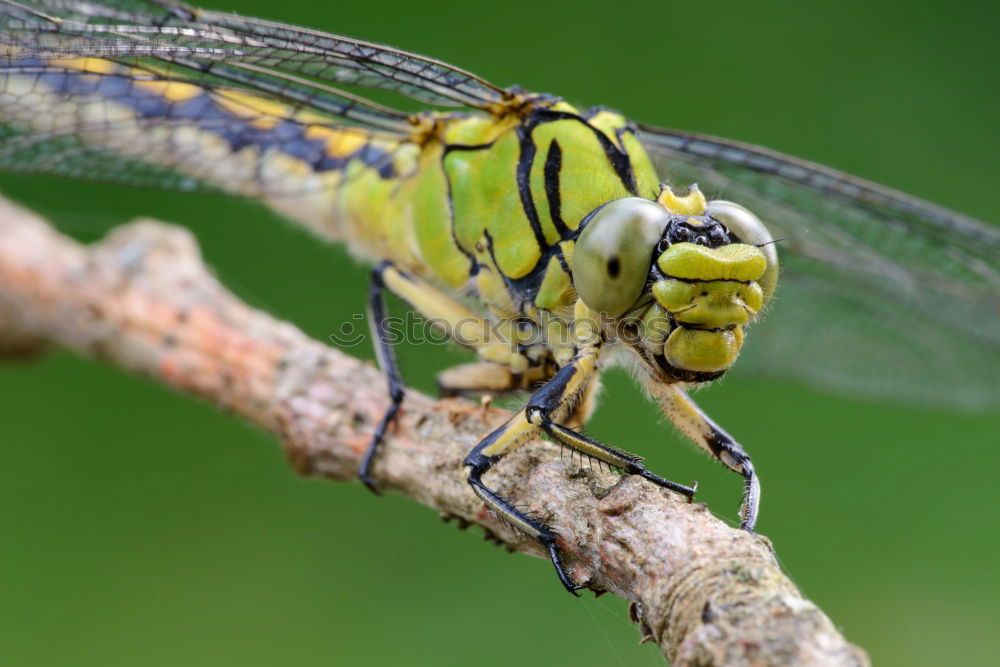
{"x": 556, "y": 400}
{"x": 708, "y": 435}
{"x": 546, "y": 409}
{"x": 514, "y": 433}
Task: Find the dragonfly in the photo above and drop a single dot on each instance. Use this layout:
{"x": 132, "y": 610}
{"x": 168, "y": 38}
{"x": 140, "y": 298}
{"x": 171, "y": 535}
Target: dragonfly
{"x": 551, "y": 240}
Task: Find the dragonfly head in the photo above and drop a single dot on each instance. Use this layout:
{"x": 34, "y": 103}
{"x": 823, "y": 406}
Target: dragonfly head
{"x": 676, "y": 280}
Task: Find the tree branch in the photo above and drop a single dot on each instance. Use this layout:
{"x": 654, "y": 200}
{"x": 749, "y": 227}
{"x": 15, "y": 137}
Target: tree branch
{"x": 141, "y": 299}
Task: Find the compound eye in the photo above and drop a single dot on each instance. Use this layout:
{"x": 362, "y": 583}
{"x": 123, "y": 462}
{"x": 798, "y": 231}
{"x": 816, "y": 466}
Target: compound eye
{"x": 748, "y": 229}
{"x": 614, "y": 252}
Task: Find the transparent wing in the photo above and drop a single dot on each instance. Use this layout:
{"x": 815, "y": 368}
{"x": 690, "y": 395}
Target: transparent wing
{"x": 84, "y": 96}
{"x": 69, "y": 156}
{"x": 174, "y": 31}
{"x": 155, "y": 125}
{"x": 881, "y": 294}
{"x": 156, "y": 93}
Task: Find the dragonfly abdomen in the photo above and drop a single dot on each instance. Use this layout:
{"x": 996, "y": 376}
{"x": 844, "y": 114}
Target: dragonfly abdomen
{"x": 202, "y": 138}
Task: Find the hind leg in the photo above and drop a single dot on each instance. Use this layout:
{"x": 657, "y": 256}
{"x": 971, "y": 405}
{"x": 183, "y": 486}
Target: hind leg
{"x": 463, "y": 325}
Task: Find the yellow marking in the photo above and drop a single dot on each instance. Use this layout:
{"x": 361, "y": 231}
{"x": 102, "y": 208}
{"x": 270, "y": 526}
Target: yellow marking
{"x": 309, "y": 117}
{"x": 175, "y": 91}
{"x": 515, "y": 433}
{"x": 89, "y": 65}
{"x": 258, "y": 111}
{"x": 585, "y": 366}
{"x": 339, "y": 143}
{"x": 691, "y": 202}
{"x": 203, "y": 155}
{"x": 571, "y": 439}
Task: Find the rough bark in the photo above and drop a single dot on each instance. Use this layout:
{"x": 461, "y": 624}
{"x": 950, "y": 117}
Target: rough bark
{"x": 142, "y": 299}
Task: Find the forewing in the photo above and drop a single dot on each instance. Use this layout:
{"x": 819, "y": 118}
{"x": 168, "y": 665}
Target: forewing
{"x": 175, "y": 31}
{"x": 880, "y": 294}
{"x": 148, "y": 125}
{"x": 79, "y": 100}
{"x": 159, "y": 94}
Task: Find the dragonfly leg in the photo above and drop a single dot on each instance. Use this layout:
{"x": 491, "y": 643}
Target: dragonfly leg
{"x": 699, "y": 427}
{"x": 484, "y": 456}
{"x": 482, "y": 377}
{"x": 585, "y": 406}
{"x": 557, "y": 398}
{"x": 546, "y": 406}
{"x": 387, "y": 362}
{"x": 463, "y": 326}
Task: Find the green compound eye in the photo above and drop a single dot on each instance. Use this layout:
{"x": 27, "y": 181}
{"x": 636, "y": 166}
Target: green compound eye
{"x": 614, "y": 252}
{"x": 748, "y": 228}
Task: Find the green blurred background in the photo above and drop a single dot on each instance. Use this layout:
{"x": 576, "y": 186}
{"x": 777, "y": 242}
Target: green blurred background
{"x": 142, "y": 528}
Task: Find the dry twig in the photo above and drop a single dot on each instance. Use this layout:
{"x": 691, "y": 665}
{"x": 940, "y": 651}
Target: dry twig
{"x": 708, "y": 594}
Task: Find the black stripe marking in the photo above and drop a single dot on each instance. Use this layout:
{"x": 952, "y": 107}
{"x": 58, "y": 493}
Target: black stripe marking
{"x": 524, "y": 290}
{"x": 621, "y": 132}
{"x": 526, "y": 159}
{"x": 564, "y": 264}
{"x": 618, "y": 158}
{"x": 553, "y": 165}
{"x": 629, "y": 128}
